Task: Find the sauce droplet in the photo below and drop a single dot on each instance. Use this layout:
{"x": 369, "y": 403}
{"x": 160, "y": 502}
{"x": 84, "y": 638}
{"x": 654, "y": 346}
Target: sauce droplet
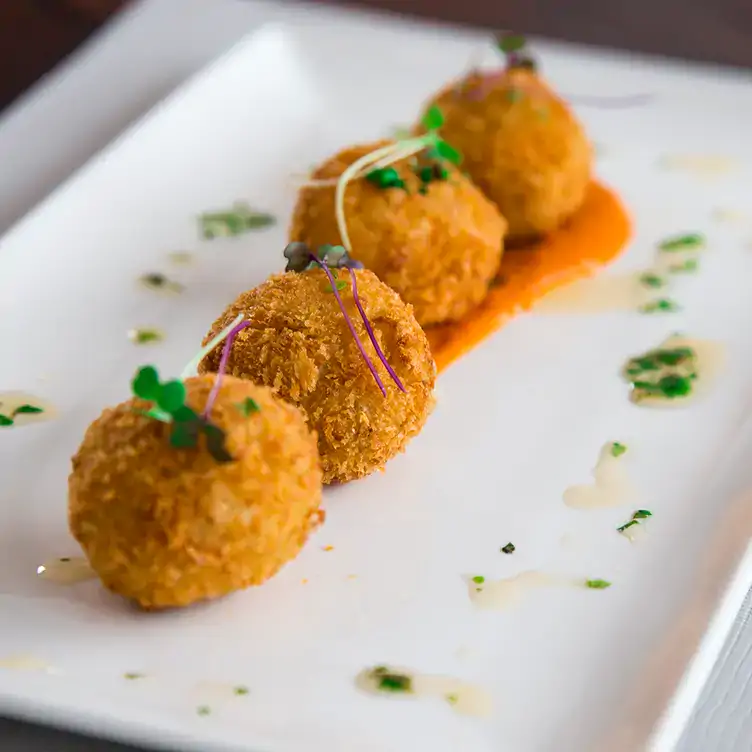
{"x": 66, "y": 570}
{"x": 611, "y": 486}
{"x": 509, "y": 591}
{"x": 21, "y": 408}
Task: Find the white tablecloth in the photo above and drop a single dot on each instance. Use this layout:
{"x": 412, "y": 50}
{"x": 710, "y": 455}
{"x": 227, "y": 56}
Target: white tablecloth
{"x": 88, "y": 100}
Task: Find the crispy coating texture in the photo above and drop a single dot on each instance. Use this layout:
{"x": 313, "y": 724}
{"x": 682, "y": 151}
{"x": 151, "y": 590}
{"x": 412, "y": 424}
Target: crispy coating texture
{"x": 439, "y": 251}
{"x": 298, "y": 343}
{"x": 167, "y": 527}
{"x": 521, "y": 145}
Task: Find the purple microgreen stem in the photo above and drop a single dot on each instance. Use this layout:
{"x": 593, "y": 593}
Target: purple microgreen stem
{"x": 372, "y": 335}
{"x": 223, "y": 361}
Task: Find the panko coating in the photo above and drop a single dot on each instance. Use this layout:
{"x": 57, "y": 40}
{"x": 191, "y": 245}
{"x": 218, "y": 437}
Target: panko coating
{"x": 522, "y": 146}
{"x": 168, "y": 526}
{"x": 437, "y": 243}
{"x": 298, "y": 343}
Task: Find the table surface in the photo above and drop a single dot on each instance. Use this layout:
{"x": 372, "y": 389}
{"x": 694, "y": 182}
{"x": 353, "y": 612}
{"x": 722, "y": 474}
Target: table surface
{"x": 47, "y": 134}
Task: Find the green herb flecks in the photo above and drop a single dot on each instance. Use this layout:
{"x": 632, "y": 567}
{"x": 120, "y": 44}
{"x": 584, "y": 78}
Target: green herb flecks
{"x": 617, "y": 449}
{"x": 8, "y": 420}
{"x": 650, "y": 279}
{"x": 203, "y": 710}
{"x": 508, "y": 549}
{"x": 241, "y": 691}
{"x": 661, "y": 305}
{"x": 238, "y": 220}
{"x": 690, "y": 242}
{"x": 339, "y": 284}
{"x": 452, "y": 699}
{"x": 689, "y": 266}
{"x": 133, "y": 675}
{"x": 160, "y": 282}
{"x": 597, "y": 584}
{"x": 169, "y": 406}
{"x": 145, "y": 336}
{"x": 248, "y": 407}
{"x": 640, "y": 514}
{"x": 391, "y": 681}
{"x": 479, "y": 579}
{"x": 665, "y": 374}
{"x": 386, "y": 177}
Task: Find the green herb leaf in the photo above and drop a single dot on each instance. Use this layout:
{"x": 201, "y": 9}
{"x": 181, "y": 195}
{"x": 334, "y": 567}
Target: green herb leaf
{"x": 386, "y": 177}
{"x": 184, "y": 435}
{"x": 158, "y": 281}
{"x": 389, "y": 681}
{"x": 479, "y": 579}
{"x": 597, "y": 584}
{"x": 617, "y": 449}
{"x": 184, "y": 414}
{"x": 248, "y": 406}
{"x": 237, "y": 221}
{"x": 27, "y": 410}
{"x": 146, "y": 383}
{"x": 203, "y": 710}
{"x": 662, "y": 305}
{"x": 5, "y": 421}
{"x": 448, "y": 152}
{"x": 240, "y": 691}
{"x": 171, "y": 396}
{"x": 649, "y": 279}
{"x": 508, "y": 549}
{"x": 642, "y": 514}
{"x": 510, "y": 43}
{"x": 433, "y": 119}
{"x": 145, "y": 336}
{"x": 687, "y": 267}
{"x": 452, "y": 699}
{"x": 215, "y": 443}
{"x": 683, "y": 242}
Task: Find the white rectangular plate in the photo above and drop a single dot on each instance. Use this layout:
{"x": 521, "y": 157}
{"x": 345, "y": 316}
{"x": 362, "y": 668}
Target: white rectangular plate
{"x": 519, "y": 419}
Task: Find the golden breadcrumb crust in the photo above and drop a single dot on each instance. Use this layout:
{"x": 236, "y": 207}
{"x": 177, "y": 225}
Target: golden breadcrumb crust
{"x": 167, "y": 527}
{"x": 521, "y": 145}
{"x": 439, "y": 251}
{"x": 298, "y": 343}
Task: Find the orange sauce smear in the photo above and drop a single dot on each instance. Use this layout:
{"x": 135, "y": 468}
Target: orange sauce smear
{"x": 592, "y": 238}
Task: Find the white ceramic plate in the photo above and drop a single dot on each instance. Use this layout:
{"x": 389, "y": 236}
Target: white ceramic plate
{"x": 519, "y": 419}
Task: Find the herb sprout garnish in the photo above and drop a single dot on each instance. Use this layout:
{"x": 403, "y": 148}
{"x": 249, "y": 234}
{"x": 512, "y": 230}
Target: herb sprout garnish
{"x": 300, "y": 258}
{"x": 223, "y": 361}
{"x": 692, "y": 241}
{"x": 686, "y": 267}
{"x": 374, "y": 165}
{"x": 666, "y": 373}
{"x": 145, "y": 336}
{"x": 662, "y": 305}
{"x": 617, "y": 449}
{"x": 236, "y": 221}
{"x": 479, "y": 579}
{"x": 190, "y": 368}
{"x": 391, "y": 681}
{"x": 513, "y": 47}
{"x": 8, "y": 420}
{"x": 508, "y": 549}
{"x": 160, "y": 282}
{"x": 248, "y": 406}
{"x": 169, "y": 406}
{"x": 640, "y": 514}
{"x": 597, "y": 584}
{"x": 650, "y": 279}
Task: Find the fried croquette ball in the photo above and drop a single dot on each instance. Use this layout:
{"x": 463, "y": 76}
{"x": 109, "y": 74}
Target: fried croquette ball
{"x": 168, "y": 526}
{"x": 298, "y": 343}
{"x": 522, "y": 146}
{"x": 438, "y": 243}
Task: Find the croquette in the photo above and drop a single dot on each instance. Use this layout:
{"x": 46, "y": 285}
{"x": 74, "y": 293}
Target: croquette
{"x": 298, "y": 343}
{"x": 521, "y": 144}
{"x": 432, "y": 236}
{"x": 167, "y": 526}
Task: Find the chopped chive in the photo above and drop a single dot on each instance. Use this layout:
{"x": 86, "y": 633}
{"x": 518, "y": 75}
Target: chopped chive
{"x": 617, "y": 449}
{"x": 131, "y": 675}
{"x": 662, "y": 305}
{"x": 650, "y": 279}
{"x": 508, "y": 549}
{"x": 160, "y": 282}
{"x": 5, "y": 420}
{"x": 145, "y": 336}
{"x": 597, "y": 584}
{"x": 28, "y": 410}
{"x": 682, "y": 242}
{"x": 236, "y": 221}
{"x": 642, "y": 514}
{"x": 479, "y": 579}
{"x": 240, "y": 690}
{"x": 203, "y": 710}
{"x": 248, "y": 406}
{"x": 390, "y": 682}
{"x": 452, "y": 699}
{"x": 627, "y": 525}
{"x": 687, "y": 267}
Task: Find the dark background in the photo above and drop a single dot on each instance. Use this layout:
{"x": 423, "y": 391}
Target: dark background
{"x": 36, "y": 34}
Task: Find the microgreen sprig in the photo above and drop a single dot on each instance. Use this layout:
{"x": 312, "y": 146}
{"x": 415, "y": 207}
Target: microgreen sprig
{"x": 169, "y": 406}
{"x": 300, "y": 258}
